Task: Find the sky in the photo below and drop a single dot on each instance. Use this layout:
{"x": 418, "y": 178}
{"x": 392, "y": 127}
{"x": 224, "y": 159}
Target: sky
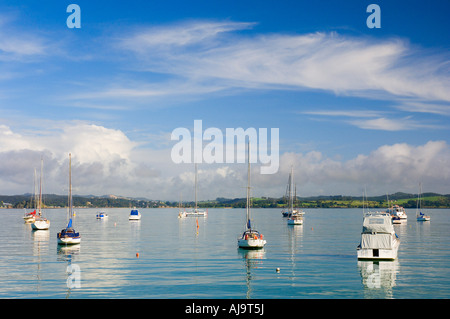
{"x": 356, "y": 107}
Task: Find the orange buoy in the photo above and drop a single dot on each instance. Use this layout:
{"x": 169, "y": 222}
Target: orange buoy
{"x": 137, "y": 255}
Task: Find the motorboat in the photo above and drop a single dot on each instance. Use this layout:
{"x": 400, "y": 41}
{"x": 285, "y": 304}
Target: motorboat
{"x": 134, "y": 214}
{"x": 102, "y": 215}
{"x": 378, "y": 238}
{"x": 398, "y": 214}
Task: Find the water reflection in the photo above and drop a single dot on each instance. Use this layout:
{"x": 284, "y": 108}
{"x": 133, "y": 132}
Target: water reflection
{"x": 295, "y": 235}
{"x": 67, "y": 253}
{"x": 252, "y": 260}
{"x": 378, "y": 278}
{"x": 40, "y": 248}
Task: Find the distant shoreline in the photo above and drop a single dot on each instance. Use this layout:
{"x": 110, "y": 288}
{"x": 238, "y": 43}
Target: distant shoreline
{"x": 429, "y": 200}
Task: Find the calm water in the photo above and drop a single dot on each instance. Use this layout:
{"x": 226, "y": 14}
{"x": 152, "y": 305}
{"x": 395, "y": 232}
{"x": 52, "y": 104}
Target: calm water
{"x": 316, "y": 260}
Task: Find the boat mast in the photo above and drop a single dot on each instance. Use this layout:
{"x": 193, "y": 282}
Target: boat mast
{"x": 248, "y": 188}
{"x": 419, "y": 206}
{"x": 35, "y": 196}
{"x": 291, "y": 198}
{"x": 195, "y": 187}
{"x": 70, "y": 186}
{"x": 40, "y": 190}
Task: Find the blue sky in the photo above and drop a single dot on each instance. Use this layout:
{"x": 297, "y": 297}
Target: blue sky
{"x": 355, "y": 106}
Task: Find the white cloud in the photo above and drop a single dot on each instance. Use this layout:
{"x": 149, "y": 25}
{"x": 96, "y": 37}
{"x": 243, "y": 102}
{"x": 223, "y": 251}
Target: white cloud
{"x": 106, "y": 161}
{"x": 389, "y": 168}
{"x": 375, "y": 120}
{"x": 327, "y": 61}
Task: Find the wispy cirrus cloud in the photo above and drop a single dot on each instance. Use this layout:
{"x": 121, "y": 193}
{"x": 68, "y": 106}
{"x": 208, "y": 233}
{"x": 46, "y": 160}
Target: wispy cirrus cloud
{"x": 342, "y": 64}
{"x": 374, "y": 120}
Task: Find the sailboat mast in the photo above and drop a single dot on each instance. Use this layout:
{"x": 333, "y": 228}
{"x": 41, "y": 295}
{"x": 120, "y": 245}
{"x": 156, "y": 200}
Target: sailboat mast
{"x": 40, "y": 190}
{"x": 291, "y": 189}
{"x": 419, "y": 206}
{"x": 70, "y": 186}
{"x": 195, "y": 187}
{"x": 248, "y": 185}
{"x": 36, "y": 196}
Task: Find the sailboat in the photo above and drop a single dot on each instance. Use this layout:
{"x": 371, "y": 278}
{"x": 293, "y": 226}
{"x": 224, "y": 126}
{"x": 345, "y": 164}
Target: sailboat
{"x": 421, "y": 217}
{"x": 68, "y": 236}
{"x": 295, "y": 215}
{"x": 40, "y": 223}
{"x": 195, "y": 212}
{"x": 31, "y": 216}
{"x": 251, "y": 238}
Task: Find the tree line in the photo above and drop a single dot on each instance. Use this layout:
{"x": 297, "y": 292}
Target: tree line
{"x": 430, "y": 200}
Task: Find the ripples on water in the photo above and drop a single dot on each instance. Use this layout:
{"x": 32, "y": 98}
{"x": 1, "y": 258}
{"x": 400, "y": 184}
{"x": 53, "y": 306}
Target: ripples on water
{"x": 316, "y": 260}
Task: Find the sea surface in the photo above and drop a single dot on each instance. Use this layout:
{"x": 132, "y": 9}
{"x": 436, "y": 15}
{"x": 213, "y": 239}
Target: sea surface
{"x": 162, "y": 256}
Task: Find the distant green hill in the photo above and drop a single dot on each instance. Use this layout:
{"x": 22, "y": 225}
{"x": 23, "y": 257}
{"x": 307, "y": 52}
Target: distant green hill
{"x": 430, "y": 200}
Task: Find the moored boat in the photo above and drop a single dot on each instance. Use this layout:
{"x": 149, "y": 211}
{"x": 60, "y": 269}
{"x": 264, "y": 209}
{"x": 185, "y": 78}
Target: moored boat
{"x": 68, "y": 236}
{"x": 378, "y": 238}
{"x": 251, "y": 238}
{"x": 134, "y": 214}
{"x": 40, "y": 222}
{"x": 296, "y": 218}
{"x": 102, "y": 215}
{"x": 398, "y": 214}
{"x": 421, "y": 217}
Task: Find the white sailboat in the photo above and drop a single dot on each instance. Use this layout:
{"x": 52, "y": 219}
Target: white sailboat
{"x": 40, "y": 223}
{"x": 196, "y": 212}
{"x": 378, "y": 238}
{"x": 68, "y": 236}
{"x": 421, "y": 217}
{"x": 251, "y": 238}
{"x": 295, "y": 215}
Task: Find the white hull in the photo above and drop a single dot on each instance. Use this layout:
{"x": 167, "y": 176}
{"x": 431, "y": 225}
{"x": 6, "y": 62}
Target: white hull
{"x": 251, "y": 243}
{"x": 198, "y": 214}
{"x": 69, "y": 241}
{"x": 378, "y": 254}
{"x": 134, "y": 217}
{"x": 41, "y": 224}
{"x": 29, "y": 219}
{"x": 295, "y": 222}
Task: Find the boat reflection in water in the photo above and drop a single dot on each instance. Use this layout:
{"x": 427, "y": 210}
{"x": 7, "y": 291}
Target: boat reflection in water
{"x": 378, "y": 278}
{"x": 252, "y": 260}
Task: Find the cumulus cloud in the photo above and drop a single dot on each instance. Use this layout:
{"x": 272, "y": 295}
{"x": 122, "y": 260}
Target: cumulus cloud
{"x": 106, "y": 161}
{"x": 389, "y": 168}
{"x": 102, "y": 158}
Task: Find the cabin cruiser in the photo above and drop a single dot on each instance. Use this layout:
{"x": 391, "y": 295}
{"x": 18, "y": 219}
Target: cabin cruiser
{"x": 378, "y": 238}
